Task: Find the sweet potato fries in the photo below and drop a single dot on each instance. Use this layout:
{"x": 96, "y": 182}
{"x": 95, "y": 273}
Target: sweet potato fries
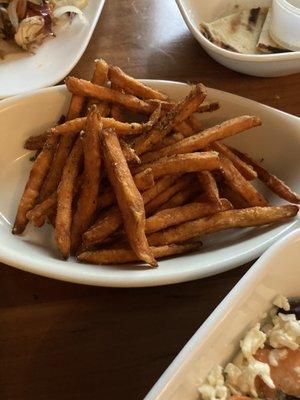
{"x": 132, "y": 176}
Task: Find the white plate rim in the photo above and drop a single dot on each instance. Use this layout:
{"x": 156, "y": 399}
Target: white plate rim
{"x": 295, "y": 55}
{"x": 28, "y": 264}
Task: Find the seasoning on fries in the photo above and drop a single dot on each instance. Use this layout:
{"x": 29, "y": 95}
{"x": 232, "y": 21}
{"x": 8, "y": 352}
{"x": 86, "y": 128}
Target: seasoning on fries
{"x": 132, "y": 176}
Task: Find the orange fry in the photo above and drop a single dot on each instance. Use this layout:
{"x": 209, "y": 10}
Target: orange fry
{"x": 133, "y": 86}
{"x": 122, "y": 255}
{"x": 188, "y": 212}
{"x": 65, "y": 194}
{"x": 182, "y": 163}
{"x": 32, "y": 189}
{"x": 128, "y": 197}
{"x": 209, "y": 186}
{"x": 175, "y": 116}
{"x": 270, "y": 180}
{"x": 88, "y": 89}
{"x": 245, "y": 169}
{"x": 87, "y": 202}
{"x": 35, "y": 142}
{"x": 249, "y": 217}
{"x": 206, "y": 137}
{"x": 239, "y": 184}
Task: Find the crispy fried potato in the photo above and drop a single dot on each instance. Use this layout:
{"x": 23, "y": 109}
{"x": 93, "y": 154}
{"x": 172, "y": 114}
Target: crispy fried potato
{"x": 174, "y": 138}
{"x": 103, "y": 227}
{"x": 275, "y": 184}
{"x": 182, "y": 197}
{"x": 160, "y": 186}
{"x": 245, "y": 169}
{"x": 128, "y": 197}
{"x": 100, "y": 77}
{"x": 78, "y": 124}
{"x": 181, "y": 184}
{"x": 239, "y": 184}
{"x": 185, "y": 128}
{"x": 65, "y": 194}
{"x": 122, "y": 255}
{"x": 40, "y": 212}
{"x": 249, "y": 217}
{"x": 36, "y": 142}
{"x": 209, "y": 186}
{"x": 87, "y": 201}
{"x": 31, "y": 192}
{"x": 175, "y": 116}
{"x": 206, "y": 137}
{"x": 182, "y": 163}
{"x": 133, "y": 86}
{"x": 188, "y": 212}
{"x": 144, "y": 179}
{"x": 129, "y": 153}
{"x": 88, "y": 89}
{"x": 235, "y": 198}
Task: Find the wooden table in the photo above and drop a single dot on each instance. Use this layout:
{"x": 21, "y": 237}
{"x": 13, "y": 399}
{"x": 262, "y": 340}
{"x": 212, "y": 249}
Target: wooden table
{"x": 68, "y": 342}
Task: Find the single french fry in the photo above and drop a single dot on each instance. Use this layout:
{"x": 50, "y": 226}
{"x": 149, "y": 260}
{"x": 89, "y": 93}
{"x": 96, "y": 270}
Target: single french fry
{"x": 180, "y": 198}
{"x": 65, "y": 194}
{"x": 188, "y": 212}
{"x": 78, "y": 124}
{"x": 87, "y": 201}
{"x": 129, "y": 153}
{"x": 100, "y": 77}
{"x": 88, "y": 89}
{"x": 182, "y": 163}
{"x": 182, "y": 183}
{"x": 122, "y": 255}
{"x": 245, "y": 169}
{"x": 160, "y": 186}
{"x": 209, "y": 186}
{"x": 235, "y": 198}
{"x": 40, "y": 212}
{"x": 75, "y": 107}
{"x": 249, "y": 217}
{"x": 35, "y": 142}
{"x": 271, "y": 181}
{"x": 117, "y": 111}
{"x": 239, "y": 184}
{"x": 128, "y": 197}
{"x": 37, "y": 175}
{"x": 133, "y": 86}
{"x": 206, "y": 137}
{"x": 103, "y": 227}
{"x": 175, "y": 116}
{"x": 174, "y": 138}
{"x": 185, "y": 128}
{"x": 144, "y": 179}
{"x": 209, "y": 107}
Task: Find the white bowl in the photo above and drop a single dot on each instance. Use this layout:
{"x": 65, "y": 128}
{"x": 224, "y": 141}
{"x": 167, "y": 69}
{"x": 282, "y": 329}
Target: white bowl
{"x": 217, "y": 341}
{"x": 54, "y": 59}
{"x": 266, "y": 65}
{"x": 278, "y": 141}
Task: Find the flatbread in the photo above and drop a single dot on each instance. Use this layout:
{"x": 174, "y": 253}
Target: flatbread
{"x": 265, "y": 43}
{"x": 238, "y": 32}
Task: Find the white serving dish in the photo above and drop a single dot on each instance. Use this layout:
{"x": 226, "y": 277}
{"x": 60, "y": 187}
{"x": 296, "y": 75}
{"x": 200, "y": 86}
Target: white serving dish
{"x": 278, "y": 141}
{"x": 217, "y": 340}
{"x": 265, "y": 65}
{"x": 54, "y": 59}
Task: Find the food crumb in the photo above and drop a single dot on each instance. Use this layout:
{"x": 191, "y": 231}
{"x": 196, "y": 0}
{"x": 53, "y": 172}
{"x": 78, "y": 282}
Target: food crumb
{"x": 277, "y": 97}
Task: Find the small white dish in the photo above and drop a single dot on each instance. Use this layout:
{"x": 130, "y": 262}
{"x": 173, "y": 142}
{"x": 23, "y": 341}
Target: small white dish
{"x": 54, "y": 59}
{"x": 278, "y": 141}
{"x": 265, "y": 65}
{"x": 217, "y": 341}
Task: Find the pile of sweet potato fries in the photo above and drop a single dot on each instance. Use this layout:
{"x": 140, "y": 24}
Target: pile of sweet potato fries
{"x": 118, "y": 191}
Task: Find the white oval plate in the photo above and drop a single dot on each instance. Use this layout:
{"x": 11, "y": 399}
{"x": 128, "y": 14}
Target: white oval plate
{"x": 277, "y": 141}
{"x": 54, "y": 59}
{"x": 217, "y": 341}
{"x": 267, "y": 65}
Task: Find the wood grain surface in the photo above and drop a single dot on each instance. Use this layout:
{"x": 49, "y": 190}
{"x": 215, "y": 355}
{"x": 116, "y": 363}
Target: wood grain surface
{"x": 63, "y": 341}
